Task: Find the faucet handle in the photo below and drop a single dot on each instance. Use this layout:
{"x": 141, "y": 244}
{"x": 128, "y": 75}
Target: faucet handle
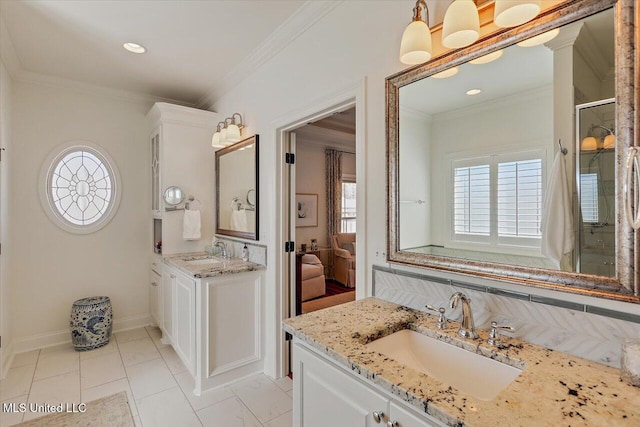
{"x": 442, "y": 319}
{"x": 493, "y": 333}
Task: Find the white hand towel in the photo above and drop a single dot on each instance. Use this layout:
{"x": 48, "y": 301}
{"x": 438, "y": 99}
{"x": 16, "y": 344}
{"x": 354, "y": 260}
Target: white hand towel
{"x": 191, "y": 225}
{"x": 239, "y": 220}
{"x": 557, "y": 217}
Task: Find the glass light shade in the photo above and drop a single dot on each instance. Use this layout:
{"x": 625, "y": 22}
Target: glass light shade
{"x": 609, "y": 141}
{"x": 511, "y": 13}
{"x": 223, "y": 137}
{"x": 415, "y": 47}
{"x": 540, "y": 38}
{"x": 589, "y": 144}
{"x": 446, "y": 73}
{"x": 233, "y": 133}
{"x": 490, "y": 57}
{"x": 461, "y": 25}
{"x": 215, "y": 141}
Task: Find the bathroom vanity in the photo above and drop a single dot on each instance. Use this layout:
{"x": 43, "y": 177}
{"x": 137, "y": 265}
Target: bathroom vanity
{"x": 341, "y": 379}
{"x": 210, "y": 311}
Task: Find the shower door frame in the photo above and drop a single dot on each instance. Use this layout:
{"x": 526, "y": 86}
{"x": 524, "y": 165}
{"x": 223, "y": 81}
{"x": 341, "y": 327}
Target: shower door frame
{"x": 577, "y": 213}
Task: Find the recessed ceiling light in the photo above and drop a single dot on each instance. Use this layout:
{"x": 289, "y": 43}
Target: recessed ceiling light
{"x": 473, "y": 91}
{"x": 487, "y": 58}
{"x": 540, "y": 38}
{"x": 446, "y": 73}
{"x": 134, "y": 48}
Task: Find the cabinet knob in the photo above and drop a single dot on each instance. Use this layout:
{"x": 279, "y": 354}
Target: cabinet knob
{"x": 378, "y": 416}
{"x": 392, "y": 424}
{"x": 154, "y": 284}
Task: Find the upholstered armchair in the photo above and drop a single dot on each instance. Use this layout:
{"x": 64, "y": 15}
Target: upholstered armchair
{"x": 344, "y": 258}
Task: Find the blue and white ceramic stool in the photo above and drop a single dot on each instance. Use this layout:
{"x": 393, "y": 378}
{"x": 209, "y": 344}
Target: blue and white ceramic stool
{"x": 91, "y": 322}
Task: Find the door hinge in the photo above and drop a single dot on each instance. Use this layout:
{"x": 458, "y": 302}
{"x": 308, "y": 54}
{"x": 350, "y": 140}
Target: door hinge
{"x": 289, "y": 246}
{"x": 290, "y": 158}
{"x": 288, "y": 336}
{"x": 1, "y": 150}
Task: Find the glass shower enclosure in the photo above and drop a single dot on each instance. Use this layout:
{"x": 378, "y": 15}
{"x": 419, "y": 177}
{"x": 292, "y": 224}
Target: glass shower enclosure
{"x": 595, "y": 182}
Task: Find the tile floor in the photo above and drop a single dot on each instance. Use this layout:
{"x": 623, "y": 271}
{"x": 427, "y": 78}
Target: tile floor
{"x": 157, "y": 383}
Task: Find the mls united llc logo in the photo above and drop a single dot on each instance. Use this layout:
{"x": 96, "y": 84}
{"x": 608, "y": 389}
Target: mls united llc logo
{"x": 46, "y": 408}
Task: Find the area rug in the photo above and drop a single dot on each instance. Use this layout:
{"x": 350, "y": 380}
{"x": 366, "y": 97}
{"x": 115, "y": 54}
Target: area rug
{"x": 110, "y": 411}
{"x": 320, "y": 303}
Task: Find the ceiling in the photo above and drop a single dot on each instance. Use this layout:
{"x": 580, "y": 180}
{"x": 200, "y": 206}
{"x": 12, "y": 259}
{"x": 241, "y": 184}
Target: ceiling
{"x": 192, "y": 46}
{"x": 519, "y": 70}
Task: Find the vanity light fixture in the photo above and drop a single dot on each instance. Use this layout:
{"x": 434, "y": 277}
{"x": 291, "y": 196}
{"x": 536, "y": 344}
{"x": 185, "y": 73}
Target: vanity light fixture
{"x": 461, "y": 26}
{"x": 540, "y": 38}
{"x": 215, "y": 141}
{"x": 446, "y": 73}
{"x": 591, "y": 143}
{"x": 415, "y": 47}
{"x": 134, "y": 47}
{"x": 511, "y": 13}
{"x": 472, "y": 92}
{"x": 490, "y": 57}
{"x": 228, "y": 132}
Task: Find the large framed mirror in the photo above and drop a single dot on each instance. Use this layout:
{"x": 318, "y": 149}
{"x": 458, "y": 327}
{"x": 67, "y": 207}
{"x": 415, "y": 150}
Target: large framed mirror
{"x": 237, "y": 183}
{"x": 477, "y": 179}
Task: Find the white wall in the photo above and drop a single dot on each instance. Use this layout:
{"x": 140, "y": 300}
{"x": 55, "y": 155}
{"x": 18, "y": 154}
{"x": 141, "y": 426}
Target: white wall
{"x": 311, "y": 179}
{"x": 5, "y": 199}
{"x": 523, "y": 120}
{"x": 415, "y": 180}
{"x": 52, "y": 267}
{"x": 336, "y": 53}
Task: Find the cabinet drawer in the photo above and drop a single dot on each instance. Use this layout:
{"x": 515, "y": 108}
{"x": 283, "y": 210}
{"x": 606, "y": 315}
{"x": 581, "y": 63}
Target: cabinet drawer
{"x": 156, "y": 264}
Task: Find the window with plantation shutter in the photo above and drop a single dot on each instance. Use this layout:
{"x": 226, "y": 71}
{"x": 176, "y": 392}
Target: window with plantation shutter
{"x": 589, "y": 196}
{"x": 497, "y": 199}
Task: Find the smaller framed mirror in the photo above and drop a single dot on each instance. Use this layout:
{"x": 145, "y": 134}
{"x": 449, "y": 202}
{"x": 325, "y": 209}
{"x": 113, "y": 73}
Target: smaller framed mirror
{"x": 237, "y": 183}
{"x": 173, "y": 196}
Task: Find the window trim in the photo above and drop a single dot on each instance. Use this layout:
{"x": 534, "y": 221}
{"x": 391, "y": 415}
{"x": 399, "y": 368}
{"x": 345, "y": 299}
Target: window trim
{"x": 494, "y": 243}
{"x": 44, "y": 185}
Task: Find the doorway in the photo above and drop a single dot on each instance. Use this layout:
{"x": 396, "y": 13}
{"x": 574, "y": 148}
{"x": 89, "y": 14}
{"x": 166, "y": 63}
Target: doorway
{"x": 325, "y": 213}
{"x": 353, "y": 99}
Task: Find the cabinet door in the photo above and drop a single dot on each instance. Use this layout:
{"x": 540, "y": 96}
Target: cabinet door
{"x": 405, "y": 418}
{"x": 168, "y": 279}
{"x": 154, "y": 297}
{"x": 184, "y": 320}
{"x": 325, "y": 396}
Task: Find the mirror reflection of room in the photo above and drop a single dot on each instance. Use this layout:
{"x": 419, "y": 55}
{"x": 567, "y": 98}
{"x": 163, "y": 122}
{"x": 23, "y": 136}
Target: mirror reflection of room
{"x": 482, "y": 175}
{"x": 326, "y": 210}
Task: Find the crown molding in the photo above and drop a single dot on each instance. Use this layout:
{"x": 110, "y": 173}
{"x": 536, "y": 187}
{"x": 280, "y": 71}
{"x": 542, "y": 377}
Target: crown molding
{"x": 545, "y": 91}
{"x": 7, "y": 52}
{"x": 415, "y": 114}
{"x": 297, "y": 24}
{"x": 326, "y": 137}
{"x": 171, "y": 113}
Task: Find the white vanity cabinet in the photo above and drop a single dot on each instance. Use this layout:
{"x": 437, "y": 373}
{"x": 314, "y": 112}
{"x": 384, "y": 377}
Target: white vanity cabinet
{"x": 325, "y": 394}
{"x": 179, "y": 315}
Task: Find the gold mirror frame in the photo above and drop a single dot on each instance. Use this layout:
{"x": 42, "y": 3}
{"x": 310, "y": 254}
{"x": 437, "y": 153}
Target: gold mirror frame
{"x": 625, "y": 286}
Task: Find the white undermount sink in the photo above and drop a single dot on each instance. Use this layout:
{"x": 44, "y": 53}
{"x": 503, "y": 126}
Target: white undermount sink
{"x": 203, "y": 261}
{"x": 471, "y": 373}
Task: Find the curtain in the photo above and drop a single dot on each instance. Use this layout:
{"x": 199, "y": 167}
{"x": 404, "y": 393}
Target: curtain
{"x": 333, "y": 166}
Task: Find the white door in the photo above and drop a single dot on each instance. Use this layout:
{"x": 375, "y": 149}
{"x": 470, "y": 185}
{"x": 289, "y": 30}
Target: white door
{"x": 154, "y": 298}
{"x": 325, "y": 396}
{"x": 291, "y": 197}
{"x": 185, "y": 321}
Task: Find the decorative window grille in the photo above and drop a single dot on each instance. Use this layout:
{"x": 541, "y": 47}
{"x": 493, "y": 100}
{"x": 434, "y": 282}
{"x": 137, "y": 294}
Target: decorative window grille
{"x": 81, "y": 189}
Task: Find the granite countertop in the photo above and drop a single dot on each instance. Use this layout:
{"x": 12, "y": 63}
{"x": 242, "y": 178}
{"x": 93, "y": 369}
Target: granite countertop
{"x": 554, "y": 389}
{"x": 217, "y": 267}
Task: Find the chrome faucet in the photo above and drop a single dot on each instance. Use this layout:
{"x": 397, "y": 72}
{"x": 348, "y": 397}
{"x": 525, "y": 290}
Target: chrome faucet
{"x": 467, "y": 327}
{"x": 223, "y": 248}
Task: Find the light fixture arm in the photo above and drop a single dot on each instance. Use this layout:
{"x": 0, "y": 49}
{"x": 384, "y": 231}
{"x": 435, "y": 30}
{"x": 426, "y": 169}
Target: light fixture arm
{"x": 218, "y": 129}
{"x": 417, "y": 11}
{"x": 609, "y": 131}
{"x": 233, "y": 120}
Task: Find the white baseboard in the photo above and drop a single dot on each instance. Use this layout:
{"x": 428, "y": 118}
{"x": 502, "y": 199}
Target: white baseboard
{"x": 50, "y": 339}
{"x": 7, "y": 360}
